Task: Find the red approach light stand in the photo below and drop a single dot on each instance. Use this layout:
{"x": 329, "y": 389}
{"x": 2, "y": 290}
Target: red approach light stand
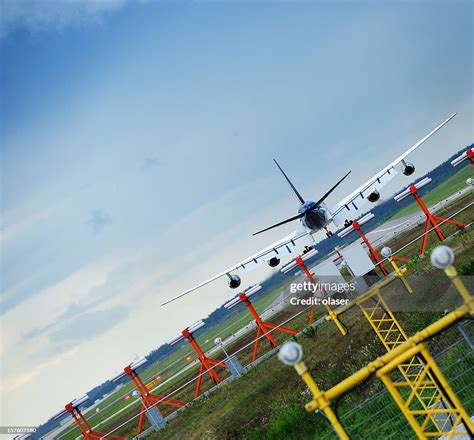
{"x": 149, "y": 400}
{"x": 300, "y": 262}
{"x": 86, "y": 429}
{"x": 206, "y": 362}
{"x": 470, "y": 156}
{"x": 467, "y": 155}
{"x": 263, "y": 327}
{"x": 431, "y": 220}
{"x": 375, "y": 256}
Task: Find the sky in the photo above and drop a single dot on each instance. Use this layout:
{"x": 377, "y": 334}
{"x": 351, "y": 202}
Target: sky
{"x": 137, "y": 140}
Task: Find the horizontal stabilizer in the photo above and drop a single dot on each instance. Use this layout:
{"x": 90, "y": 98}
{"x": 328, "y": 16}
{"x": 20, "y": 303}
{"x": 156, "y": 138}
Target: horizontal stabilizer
{"x": 296, "y": 217}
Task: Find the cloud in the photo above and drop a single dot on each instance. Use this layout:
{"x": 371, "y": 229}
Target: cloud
{"x": 115, "y": 286}
{"x": 72, "y": 311}
{"x": 99, "y": 220}
{"x": 23, "y": 378}
{"x": 76, "y": 325}
{"x": 38, "y": 15}
{"x": 86, "y": 327}
{"x": 151, "y": 162}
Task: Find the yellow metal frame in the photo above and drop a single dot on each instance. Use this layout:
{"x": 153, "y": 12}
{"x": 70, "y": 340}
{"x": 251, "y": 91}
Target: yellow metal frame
{"x": 372, "y": 367}
{"x": 372, "y": 291}
{"x": 426, "y": 398}
{"x": 382, "y": 321}
{"x": 400, "y": 273}
{"x": 423, "y": 394}
{"x": 411, "y": 348}
{"x": 334, "y": 317}
{"x": 439, "y": 412}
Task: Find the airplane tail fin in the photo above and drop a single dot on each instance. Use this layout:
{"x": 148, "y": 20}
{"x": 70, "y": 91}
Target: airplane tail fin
{"x": 298, "y": 195}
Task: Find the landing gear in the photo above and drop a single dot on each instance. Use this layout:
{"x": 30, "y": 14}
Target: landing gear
{"x": 347, "y": 223}
{"x": 329, "y": 234}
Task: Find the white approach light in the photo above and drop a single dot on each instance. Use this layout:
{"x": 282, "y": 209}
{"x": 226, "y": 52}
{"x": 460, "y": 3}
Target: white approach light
{"x": 386, "y": 252}
{"x": 290, "y": 353}
{"x": 442, "y": 257}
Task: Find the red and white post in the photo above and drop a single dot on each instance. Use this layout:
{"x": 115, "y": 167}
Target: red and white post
{"x": 87, "y": 432}
{"x": 467, "y": 155}
{"x": 431, "y": 219}
{"x": 263, "y": 327}
{"x": 374, "y": 254}
{"x": 207, "y": 363}
{"x": 148, "y": 399}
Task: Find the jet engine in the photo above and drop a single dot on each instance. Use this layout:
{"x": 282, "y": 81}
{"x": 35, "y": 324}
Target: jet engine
{"x": 373, "y": 196}
{"x": 234, "y": 281}
{"x": 273, "y": 262}
{"x": 408, "y": 168}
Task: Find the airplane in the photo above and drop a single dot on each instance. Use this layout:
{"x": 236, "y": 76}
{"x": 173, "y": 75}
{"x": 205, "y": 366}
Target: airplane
{"x": 315, "y": 216}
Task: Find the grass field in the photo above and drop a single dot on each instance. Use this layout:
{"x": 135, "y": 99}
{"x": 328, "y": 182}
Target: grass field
{"x": 440, "y": 192}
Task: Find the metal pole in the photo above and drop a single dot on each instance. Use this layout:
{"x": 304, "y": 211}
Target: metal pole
{"x": 323, "y": 402}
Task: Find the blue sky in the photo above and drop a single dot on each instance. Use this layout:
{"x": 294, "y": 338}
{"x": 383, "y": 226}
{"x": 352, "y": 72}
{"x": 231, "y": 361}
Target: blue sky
{"x": 136, "y": 147}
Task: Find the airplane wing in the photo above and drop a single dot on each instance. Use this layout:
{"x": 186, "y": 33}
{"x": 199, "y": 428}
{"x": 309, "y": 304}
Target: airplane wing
{"x": 285, "y": 246}
{"x": 349, "y": 207}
